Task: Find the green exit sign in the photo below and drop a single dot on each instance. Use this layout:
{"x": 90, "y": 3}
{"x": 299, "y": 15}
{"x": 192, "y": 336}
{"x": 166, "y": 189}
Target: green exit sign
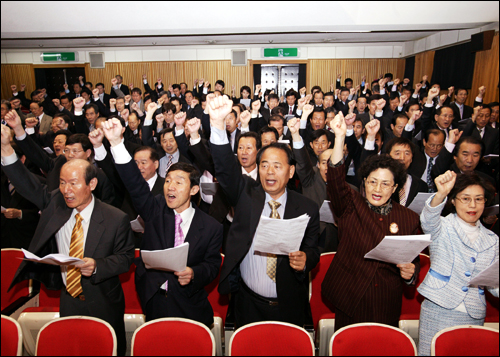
{"x": 58, "y": 56}
{"x": 281, "y": 52}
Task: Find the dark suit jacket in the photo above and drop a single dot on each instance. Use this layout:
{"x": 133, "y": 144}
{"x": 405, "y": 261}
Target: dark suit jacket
{"x": 468, "y": 111}
{"x": 490, "y": 137}
{"x": 417, "y": 185}
{"x": 351, "y": 277}
{"x": 204, "y": 238}
{"x": 52, "y": 167}
{"x": 344, "y": 108}
{"x": 123, "y": 88}
{"x": 109, "y": 242}
{"x": 287, "y": 108}
{"x": 248, "y": 198}
{"x": 17, "y": 233}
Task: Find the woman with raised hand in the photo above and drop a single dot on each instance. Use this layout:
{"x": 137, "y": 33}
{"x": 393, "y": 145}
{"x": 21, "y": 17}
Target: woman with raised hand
{"x": 461, "y": 248}
{"x": 365, "y": 290}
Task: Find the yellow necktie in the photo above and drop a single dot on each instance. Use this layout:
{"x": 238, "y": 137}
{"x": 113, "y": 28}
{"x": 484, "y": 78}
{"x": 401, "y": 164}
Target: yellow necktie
{"x": 271, "y": 258}
{"x": 73, "y": 277}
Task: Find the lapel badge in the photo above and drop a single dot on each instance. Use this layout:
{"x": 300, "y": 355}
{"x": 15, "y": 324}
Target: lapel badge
{"x": 394, "y": 228}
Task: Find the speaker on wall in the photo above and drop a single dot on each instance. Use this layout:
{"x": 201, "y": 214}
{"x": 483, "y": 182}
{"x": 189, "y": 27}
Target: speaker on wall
{"x": 96, "y": 59}
{"x": 482, "y": 41}
{"x": 238, "y": 57}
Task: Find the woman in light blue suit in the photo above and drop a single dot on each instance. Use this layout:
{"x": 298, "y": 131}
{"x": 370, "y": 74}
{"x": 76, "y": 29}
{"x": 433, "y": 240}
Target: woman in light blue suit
{"x": 461, "y": 248}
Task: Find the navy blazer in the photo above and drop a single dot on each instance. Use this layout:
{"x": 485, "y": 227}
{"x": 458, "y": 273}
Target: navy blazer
{"x": 204, "y": 238}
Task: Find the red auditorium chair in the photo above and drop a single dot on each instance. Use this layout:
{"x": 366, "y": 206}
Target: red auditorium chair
{"x": 21, "y": 295}
{"x": 323, "y": 312}
{"x": 220, "y": 305}
{"x": 271, "y": 338}
{"x": 173, "y": 337}
{"x": 465, "y": 340}
{"x": 492, "y": 318}
{"x": 76, "y": 336}
{"x": 371, "y": 339}
{"x": 12, "y": 337}
{"x": 412, "y": 300}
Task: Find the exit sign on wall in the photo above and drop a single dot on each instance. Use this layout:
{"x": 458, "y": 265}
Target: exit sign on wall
{"x": 58, "y": 56}
{"x": 281, "y": 52}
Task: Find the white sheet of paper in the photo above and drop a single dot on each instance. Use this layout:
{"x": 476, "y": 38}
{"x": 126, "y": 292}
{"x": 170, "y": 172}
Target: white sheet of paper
{"x": 171, "y": 259}
{"x": 325, "y": 213}
{"x": 488, "y": 277}
{"x": 490, "y": 211}
{"x": 209, "y": 188}
{"x": 491, "y": 155}
{"x": 246, "y": 102}
{"x": 3, "y": 209}
{"x": 280, "y": 236}
{"x": 284, "y": 141}
{"x": 399, "y": 249}
{"x": 136, "y": 225}
{"x": 417, "y": 205}
{"x": 52, "y": 259}
{"x": 49, "y": 150}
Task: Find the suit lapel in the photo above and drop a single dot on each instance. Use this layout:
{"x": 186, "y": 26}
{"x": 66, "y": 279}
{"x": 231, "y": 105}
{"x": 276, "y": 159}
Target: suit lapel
{"x": 292, "y": 210}
{"x": 257, "y": 207}
{"x": 195, "y": 229}
{"x": 57, "y": 219}
{"x": 96, "y": 229}
{"x": 413, "y": 190}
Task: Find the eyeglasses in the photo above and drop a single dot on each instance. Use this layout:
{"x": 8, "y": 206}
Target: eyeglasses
{"x": 74, "y": 151}
{"x": 467, "y": 200}
{"x": 435, "y": 146}
{"x": 383, "y": 185}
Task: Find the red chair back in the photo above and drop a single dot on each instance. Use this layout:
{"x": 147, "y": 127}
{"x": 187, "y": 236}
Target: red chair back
{"x": 320, "y": 307}
{"x": 410, "y": 308}
{"x": 11, "y": 337}
{"x": 173, "y": 337}
{"x": 371, "y": 339}
{"x": 11, "y": 259}
{"x": 132, "y": 302}
{"x": 491, "y": 308}
{"x": 219, "y": 302}
{"x": 48, "y": 301}
{"x": 271, "y": 338}
{"x": 76, "y": 336}
{"x": 465, "y": 341}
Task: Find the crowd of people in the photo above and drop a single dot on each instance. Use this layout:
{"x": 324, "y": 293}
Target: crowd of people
{"x": 95, "y": 175}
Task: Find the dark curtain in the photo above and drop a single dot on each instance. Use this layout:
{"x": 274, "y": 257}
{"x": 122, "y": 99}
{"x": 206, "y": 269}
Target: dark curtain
{"x": 454, "y": 66}
{"x": 256, "y": 74}
{"x": 410, "y": 68}
{"x": 302, "y": 75}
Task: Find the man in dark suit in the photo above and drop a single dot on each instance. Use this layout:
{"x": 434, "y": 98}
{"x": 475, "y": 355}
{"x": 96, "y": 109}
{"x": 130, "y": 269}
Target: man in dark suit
{"x": 171, "y": 219}
{"x": 460, "y": 110}
{"x": 103, "y": 96}
{"x": 264, "y": 287}
{"x": 118, "y": 89}
{"x": 74, "y": 222}
{"x": 290, "y": 105}
{"x": 342, "y": 102}
{"x": 478, "y": 128}
{"x": 77, "y": 146}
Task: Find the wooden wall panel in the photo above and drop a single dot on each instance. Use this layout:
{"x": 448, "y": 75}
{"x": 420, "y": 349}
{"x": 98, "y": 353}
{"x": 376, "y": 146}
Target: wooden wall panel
{"x": 324, "y": 72}
{"x": 486, "y": 74}
{"x": 103, "y": 75}
{"x": 17, "y": 74}
{"x": 424, "y": 65}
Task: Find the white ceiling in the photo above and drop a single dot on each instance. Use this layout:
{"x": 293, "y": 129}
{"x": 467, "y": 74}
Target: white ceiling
{"x": 34, "y": 24}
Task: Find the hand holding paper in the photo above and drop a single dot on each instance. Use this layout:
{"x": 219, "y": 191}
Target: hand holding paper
{"x": 52, "y": 259}
{"x": 399, "y": 249}
{"x": 172, "y": 259}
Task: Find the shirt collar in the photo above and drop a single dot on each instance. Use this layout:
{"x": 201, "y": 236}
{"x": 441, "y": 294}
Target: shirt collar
{"x": 253, "y": 174}
{"x": 282, "y": 199}
{"x": 187, "y": 214}
{"x": 86, "y": 213}
{"x": 152, "y": 181}
{"x": 175, "y": 155}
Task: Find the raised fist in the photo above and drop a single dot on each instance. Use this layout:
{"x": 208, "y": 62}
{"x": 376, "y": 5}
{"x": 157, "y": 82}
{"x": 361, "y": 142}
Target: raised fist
{"x": 372, "y": 128}
{"x": 125, "y": 113}
{"x": 128, "y": 97}
{"x": 352, "y": 91}
{"x": 339, "y": 76}
{"x": 95, "y": 137}
{"x": 418, "y": 86}
{"x": 445, "y": 182}
{"x": 13, "y": 88}
{"x": 160, "y": 118}
{"x": 433, "y": 93}
{"x": 78, "y": 103}
{"x": 65, "y": 86}
{"x": 193, "y": 125}
{"x": 80, "y": 78}
{"x": 338, "y": 125}
{"x": 482, "y": 90}
{"x": 206, "y": 84}
{"x": 245, "y": 118}
{"x": 131, "y": 86}
{"x": 179, "y": 119}
{"x": 114, "y": 81}
{"x": 294, "y": 125}
{"x": 218, "y": 108}
{"x": 144, "y": 77}
{"x": 256, "y": 106}
{"x": 352, "y": 104}
{"x": 349, "y": 119}
{"x": 450, "y": 91}
{"x": 380, "y": 104}
{"x": 308, "y": 109}
{"x": 302, "y": 90}
{"x": 23, "y": 87}
{"x": 112, "y": 129}
{"x": 397, "y": 81}
{"x": 406, "y": 81}
{"x": 57, "y": 102}
{"x": 112, "y": 102}
{"x": 95, "y": 92}
{"x": 151, "y": 107}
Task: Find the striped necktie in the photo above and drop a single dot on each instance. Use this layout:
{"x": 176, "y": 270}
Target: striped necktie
{"x": 169, "y": 163}
{"x": 272, "y": 260}
{"x": 430, "y": 183}
{"x": 402, "y": 197}
{"x": 73, "y": 277}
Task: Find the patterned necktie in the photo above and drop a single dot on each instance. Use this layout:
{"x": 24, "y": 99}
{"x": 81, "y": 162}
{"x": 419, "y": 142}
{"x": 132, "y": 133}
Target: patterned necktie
{"x": 290, "y": 111}
{"x": 481, "y": 132}
{"x": 179, "y": 235}
{"x": 402, "y": 197}
{"x": 430, "y": 183}
{"x": 272, "y": 260}
{"x": 12, "y": 189}
{"x": 461, "y": 111}
{"x": 73, "y": 277}
{"x": 169, "y": 163}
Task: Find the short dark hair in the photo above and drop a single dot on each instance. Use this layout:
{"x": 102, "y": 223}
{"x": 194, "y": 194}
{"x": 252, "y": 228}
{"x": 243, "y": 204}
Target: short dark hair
{"x": 90, "y": 173}
{"x": 99, "y": 84}
{"x": 165, "y": 131}
{"x": 247, "y": 88}
{"x": 468, "y": 140}
{"x": 459, "y": 89}
{"x": 397, "y": 115}
{"x": 440, "y": 109}
{"x": 317, "y": 110}
{"x": 189, "y": 91}
{"x": 465, "y": 180}
{"x": 347, "y": 80}
{"x": 153, "y": 154}
{"x": 93, "y": 106}
{"x": 279, "y": 110}
{"x": 434, "y": 132}
{"x": 373, "y": 97}
{"x": 194, "y": 174}
{"x": 183, "y": 83}
{"x": 493, "y": 104}
{"x": 167, "y": 107}
{"x": 269, "y": 129}
{"x": 65, "y": 117}
{"x": 221, "y": 82}
{"x": 384, "y": 161}
{"x": 89, "y": 83}
{"x": 291, "y": 92}
{"x": 280, "y": 146}
{"x": 344, "y": 89}
{"x": 251, "y": 134}
{"x": 316, "y": 134}
{"x": 376, "y": 88}
{"x": 273, "y": 96}
{"x": 314, "y": 88}
{"x": 276, "y": 117}
{"x": 6, "y": 103}
{"x": 40, "y": 104}
{"x": 394, "y": 95}
{"x": 331, "y": 110}
{"x": 64, "y": 132}
{"x": 319, "y": 91}
{"x": 66, "y": 97}
{"x": 399, "y": 141}
{"x": 80, "y": 139}
{"x": 176, "y": 86}
{"x": 329, "y": 94}
{"x": 407, "y": 107}
{"x": 137, "y": 90}
{"x": 86, "y": 90}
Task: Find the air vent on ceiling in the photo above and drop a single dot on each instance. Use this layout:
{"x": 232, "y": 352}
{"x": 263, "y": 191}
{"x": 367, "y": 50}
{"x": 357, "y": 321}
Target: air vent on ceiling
{"x": 238, "y": 57}
{"x": 96, "y": 59}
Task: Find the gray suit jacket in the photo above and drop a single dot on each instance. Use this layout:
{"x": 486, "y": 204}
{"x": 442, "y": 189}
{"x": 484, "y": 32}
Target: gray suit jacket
{"x": 46, "y": 124}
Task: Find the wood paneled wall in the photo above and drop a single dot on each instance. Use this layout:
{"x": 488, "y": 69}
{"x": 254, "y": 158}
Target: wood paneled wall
{"x": 424, "y": 64}
{"x": 324, "y": 72}
{"x": 17, "y": 74}
{"x": 486, "y": 73}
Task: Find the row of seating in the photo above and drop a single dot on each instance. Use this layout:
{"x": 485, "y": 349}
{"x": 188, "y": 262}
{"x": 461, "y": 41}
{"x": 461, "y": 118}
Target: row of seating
{"x": 33, "y": 318}
{"x": 70, "y": 336}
